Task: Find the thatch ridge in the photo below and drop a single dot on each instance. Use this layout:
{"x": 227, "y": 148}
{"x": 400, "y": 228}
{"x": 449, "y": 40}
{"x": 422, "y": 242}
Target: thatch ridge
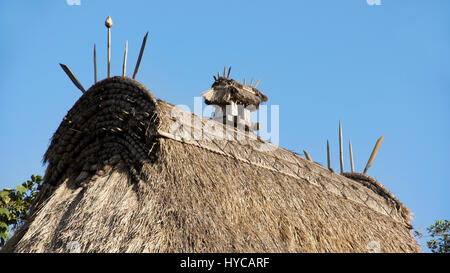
{"x": 378, "y": 188}
{"x": 144, "y": 188}
{"x": 115, "y": 120}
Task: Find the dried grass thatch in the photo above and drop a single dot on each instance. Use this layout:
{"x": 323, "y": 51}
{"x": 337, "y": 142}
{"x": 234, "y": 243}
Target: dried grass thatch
{"x": 224, "y": 91}
{"x": 119, "y": 180}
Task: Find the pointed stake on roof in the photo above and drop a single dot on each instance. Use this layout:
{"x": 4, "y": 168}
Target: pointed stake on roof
{"x": 351, "y": 155}
{"x": 308, "y": 157}
{"x": 229, "y": 70}
{"x": 215, "y": 78}
{"x": 108, "y": 24}
{"x": 95, "y": 65}
{"x": 257, "y": 83}
{"x": 341, "y": 156}
{"x": 244, "y": 81}
{"x": 218, "y": 75}
{"x": 72, "y": 77}
{"x": 374, "y": 153}
{"x": 251, "y": 83}
{"x": 124, "y": 68}
{"x": 224, "y": 71}
{"x": 328, "y": 155}
{"x": 138, "y": 63}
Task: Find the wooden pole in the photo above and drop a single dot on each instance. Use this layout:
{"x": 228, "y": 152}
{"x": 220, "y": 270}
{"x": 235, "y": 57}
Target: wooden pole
{"x": 224, "y": 71}
{"x": 229, "y": 70}
{"x": 108, "y": 24}
{"x": 109, "y": 52}
{"x": 124, "y": 68}
{"x": 308, "y": 157}
{"x": 374, "y": 153}
{"x": 72, "y": 77}
{"x": 244, "y": 81}
{"x": 138, "y": 63}
{"x": 328, "y": 155}
{"x": 351, "y": 155}
{"x": 257, "y": 83}
{"x": 95, "y": 65}
{"x": 341, "y": 156}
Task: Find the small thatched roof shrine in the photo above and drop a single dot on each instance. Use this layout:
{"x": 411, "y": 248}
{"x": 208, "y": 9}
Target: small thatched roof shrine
{"x": 225, "y": 91}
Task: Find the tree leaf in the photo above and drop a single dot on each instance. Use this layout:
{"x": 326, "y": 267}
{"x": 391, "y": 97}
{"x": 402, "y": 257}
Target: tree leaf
{"x": 3, "y": 194}
{"x": 4, "y": 226}
{"x": 21, "y": 189}
{"x": 4, "y": 211}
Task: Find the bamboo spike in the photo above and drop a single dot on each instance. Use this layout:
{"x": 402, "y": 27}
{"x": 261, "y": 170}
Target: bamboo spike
{"x": 224, "y": 71}
{"x": 124, "y": 68}
{"x": 95, "y": 65}
{"x": 215, "y": 78}
{"x": 244, "y": 81}
{"x": 351, "y": 155}
{"x": 341, "y": 156}
{"x": 108, "y": 24}
{"x": 229, "y": 70}
{"x": 374, "y": 154}
{"x": 328, "y": 155}
{"x": 308, "y": 157}
{"x": 257, "y": 83}
{"x": 218, "y": 75}
{"x": 251, "y": 83}
{"x": 72, "y": 77}
{"x": 138, "y": 63}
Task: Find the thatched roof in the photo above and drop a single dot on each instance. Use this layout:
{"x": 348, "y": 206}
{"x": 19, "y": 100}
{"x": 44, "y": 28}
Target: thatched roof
{"x": 224, "y": 91}
{"x": 119, "y": 180}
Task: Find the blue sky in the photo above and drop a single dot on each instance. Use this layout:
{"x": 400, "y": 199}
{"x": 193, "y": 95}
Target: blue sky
{"x": 380, "y": 69}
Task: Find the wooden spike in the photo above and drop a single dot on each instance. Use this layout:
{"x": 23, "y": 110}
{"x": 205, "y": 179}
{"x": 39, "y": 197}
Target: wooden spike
{"x": 328, "y": 155}
{"x": 124, "y": 68}
{"x": 341, "y": 156}
{"x": 244, "y": 81}
{"x": 251, "y": 83}
{"x": 138, "y": 63}
{"x": 72, "y": 77}
{"x": 257, "y": 83}
{"x": 224, "y": 71}
{"x": 229, "y": 70}
{"x": 108, "y": 24}
{"x": 374, "y": 153}
{"x": 215, "y": 78}
{"x": 308, "y": 157}
{"x": 109, "y": 52}
{"x": 351, "y": 155}
{"x": 95, "y": 65}
{"x": 218, "y": 75}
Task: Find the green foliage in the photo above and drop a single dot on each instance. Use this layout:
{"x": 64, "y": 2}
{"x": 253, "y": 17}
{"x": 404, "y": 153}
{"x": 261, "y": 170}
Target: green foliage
{"x": 440, "y": 236}
{"x": 440, "y": 232}
{"x": 15, "y": 205}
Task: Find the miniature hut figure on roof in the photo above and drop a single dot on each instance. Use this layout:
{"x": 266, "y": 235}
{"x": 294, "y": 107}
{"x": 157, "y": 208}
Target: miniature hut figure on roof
{"x": 234, "y": 101}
